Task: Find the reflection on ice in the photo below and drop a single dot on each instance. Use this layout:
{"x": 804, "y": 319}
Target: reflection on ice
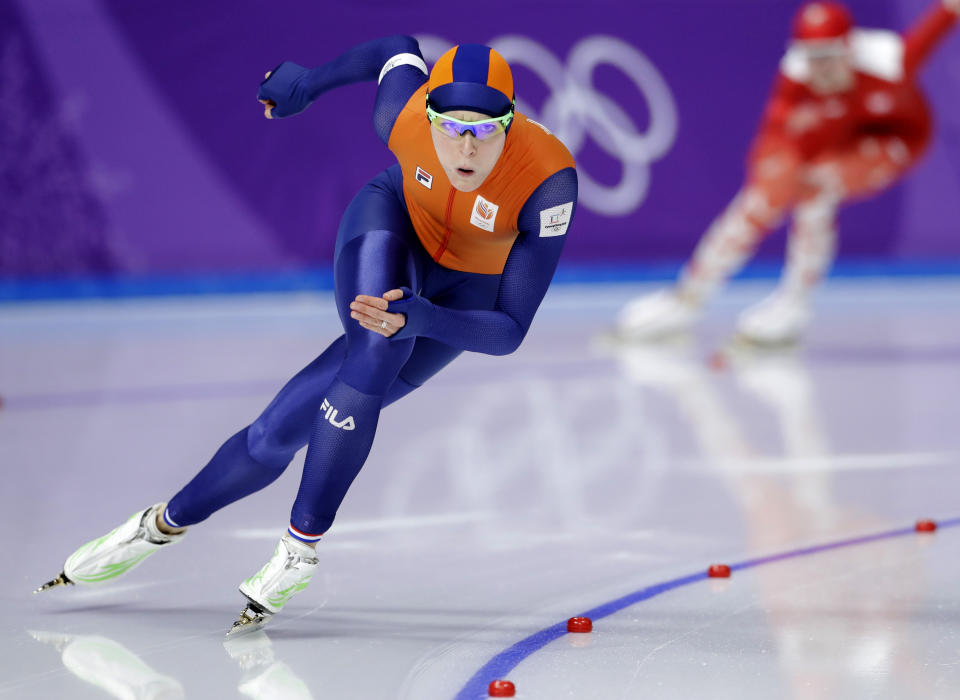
{"x": 110, "y": 666}
{"x": 827, "y": 632}
{"x": 263, "y": 676}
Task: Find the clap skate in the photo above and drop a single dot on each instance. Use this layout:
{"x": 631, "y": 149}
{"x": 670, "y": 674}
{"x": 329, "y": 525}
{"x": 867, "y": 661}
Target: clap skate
{"x": 777, "y": 322}
{"x": 288, "y": 572}
{"x": 251, "y": 619}
{"x": 656, "y": 317}
{"x": 119, "y": 551}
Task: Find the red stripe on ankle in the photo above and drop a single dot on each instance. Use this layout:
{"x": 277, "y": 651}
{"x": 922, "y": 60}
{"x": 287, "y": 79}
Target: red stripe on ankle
{"x": 303, "y": 535}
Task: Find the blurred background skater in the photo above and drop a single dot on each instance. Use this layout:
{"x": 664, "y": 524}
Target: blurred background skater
{"x": 451, "y": 249}
{"x": 845, "y": 121}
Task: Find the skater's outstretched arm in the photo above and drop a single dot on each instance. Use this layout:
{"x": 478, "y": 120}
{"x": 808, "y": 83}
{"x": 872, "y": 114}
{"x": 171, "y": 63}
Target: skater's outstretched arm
{"x": 543, "y": 223}
{"x": 922, "y": 38}
{"x": 394, "y": 62}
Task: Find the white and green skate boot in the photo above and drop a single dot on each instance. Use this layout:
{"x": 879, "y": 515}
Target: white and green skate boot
{"x": 288, "y": 572}
{"x": 120, "y": 550}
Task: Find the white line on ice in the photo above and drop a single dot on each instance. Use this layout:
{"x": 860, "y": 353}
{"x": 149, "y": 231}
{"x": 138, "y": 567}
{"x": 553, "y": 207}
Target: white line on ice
{"x": 378, "y": 525}
{"x": 849, "y": 462}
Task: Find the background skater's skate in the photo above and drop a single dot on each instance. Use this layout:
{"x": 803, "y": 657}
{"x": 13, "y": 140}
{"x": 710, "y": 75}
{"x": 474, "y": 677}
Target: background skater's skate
{"x": 772, "y": 327}
{"x": 663, "y": 316}
{"x": 744, "y": 347}
{"x": 777, "y": 322}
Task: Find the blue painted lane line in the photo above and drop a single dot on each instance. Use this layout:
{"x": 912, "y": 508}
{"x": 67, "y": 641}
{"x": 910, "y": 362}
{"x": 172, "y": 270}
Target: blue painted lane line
{"x": 500, "y": 666}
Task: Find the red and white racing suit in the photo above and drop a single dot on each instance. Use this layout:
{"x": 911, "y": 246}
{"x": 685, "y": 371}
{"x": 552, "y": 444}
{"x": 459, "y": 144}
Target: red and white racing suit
{"x": 813, "y": 152}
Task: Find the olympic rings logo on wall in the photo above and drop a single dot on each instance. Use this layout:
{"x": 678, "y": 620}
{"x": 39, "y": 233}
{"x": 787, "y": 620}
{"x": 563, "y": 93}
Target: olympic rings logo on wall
{"x": 575, "y": 110}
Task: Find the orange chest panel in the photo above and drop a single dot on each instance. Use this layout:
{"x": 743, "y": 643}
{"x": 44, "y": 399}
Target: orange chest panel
{"x": 471, "y": 231}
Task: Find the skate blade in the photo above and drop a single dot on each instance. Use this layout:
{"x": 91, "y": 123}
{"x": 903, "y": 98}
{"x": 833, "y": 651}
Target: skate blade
{"x": 744, "y": 350}
{"x": 252, "y": 618}
{"x": 614, "y": 338}
{"x": 60, "y": 580}
{"x": 747, "y": 344}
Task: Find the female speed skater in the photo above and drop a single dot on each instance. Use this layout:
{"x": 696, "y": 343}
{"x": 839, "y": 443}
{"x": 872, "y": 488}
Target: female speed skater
{"x": 451, "y": 249}
{"x": 846, "y": 120}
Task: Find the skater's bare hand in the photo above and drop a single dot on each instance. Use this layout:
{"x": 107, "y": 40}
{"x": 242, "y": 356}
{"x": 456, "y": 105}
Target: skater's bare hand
{"x": 372, "y": 314}
{"x": 268, "y": 104}
{"x": 952, "y": 5}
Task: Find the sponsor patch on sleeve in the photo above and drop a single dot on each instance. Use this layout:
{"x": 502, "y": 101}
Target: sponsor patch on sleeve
{"x": 554, "y": 221}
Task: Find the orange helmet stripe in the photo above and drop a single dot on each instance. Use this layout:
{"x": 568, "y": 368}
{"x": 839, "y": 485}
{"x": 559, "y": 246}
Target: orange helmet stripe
{"x": 442, "y": 72}
{"x": 499, "y": 76}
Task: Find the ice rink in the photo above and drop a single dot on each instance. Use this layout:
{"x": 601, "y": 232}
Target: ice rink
{"x": 506, "y": 496}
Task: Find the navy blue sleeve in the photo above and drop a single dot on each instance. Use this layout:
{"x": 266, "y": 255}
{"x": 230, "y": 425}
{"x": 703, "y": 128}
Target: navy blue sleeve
{"x": 392, "y": 96}
{"x": 543, "y": 223}
{"x": 292, "y": 87}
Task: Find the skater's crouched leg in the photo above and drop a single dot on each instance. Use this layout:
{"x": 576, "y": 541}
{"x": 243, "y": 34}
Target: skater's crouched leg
{"x": 231, "y": 474}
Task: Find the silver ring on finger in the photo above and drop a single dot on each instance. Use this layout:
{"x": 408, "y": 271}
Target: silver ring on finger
{"x": 383, "y": 325}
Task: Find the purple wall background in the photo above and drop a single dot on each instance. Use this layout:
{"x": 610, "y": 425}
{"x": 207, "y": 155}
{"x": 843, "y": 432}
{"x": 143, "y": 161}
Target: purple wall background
{"x": 132, "y": 142}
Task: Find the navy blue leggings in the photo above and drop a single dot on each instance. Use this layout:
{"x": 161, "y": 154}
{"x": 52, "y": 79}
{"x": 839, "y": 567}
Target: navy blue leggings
{"x": 333, "y": 404}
